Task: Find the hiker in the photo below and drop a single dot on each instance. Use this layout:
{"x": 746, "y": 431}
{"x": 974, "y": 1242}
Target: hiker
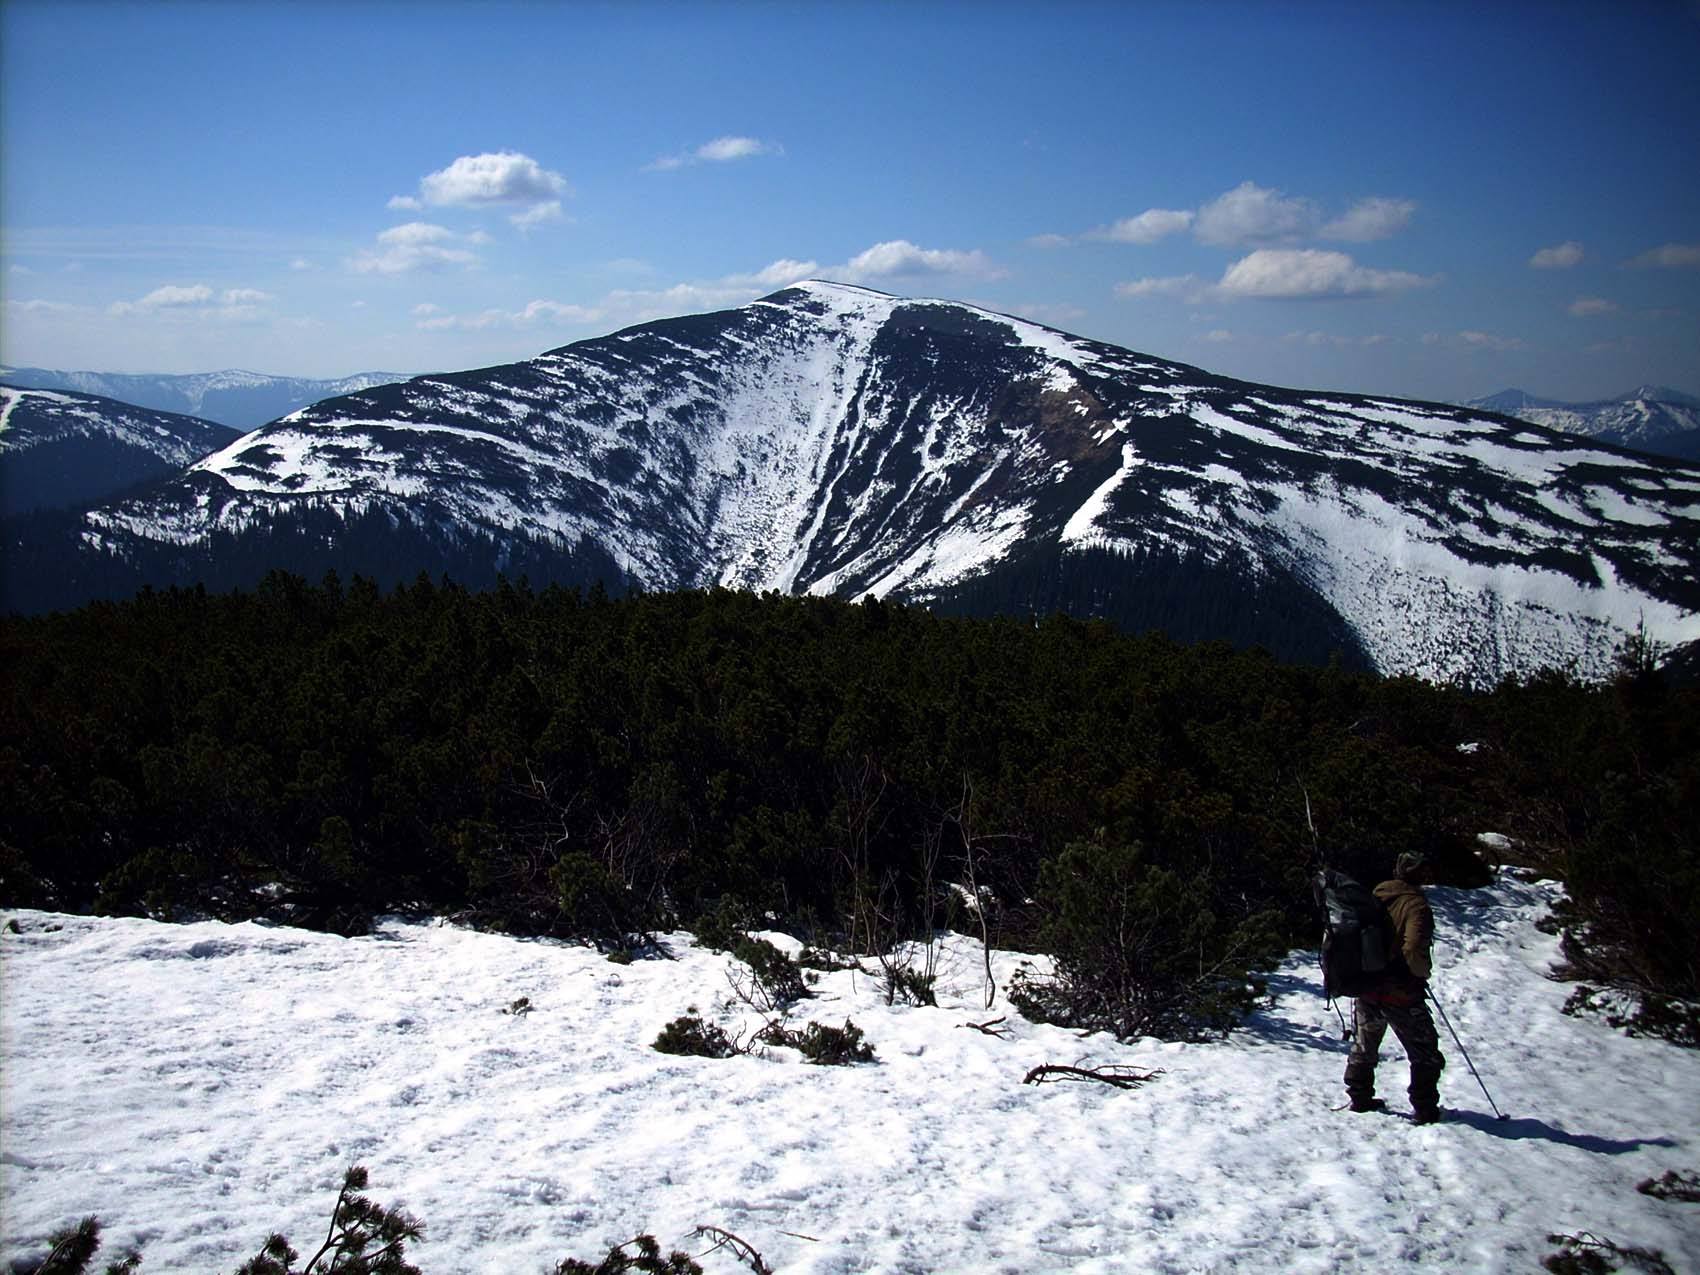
{"x": 1399, "y": 1001}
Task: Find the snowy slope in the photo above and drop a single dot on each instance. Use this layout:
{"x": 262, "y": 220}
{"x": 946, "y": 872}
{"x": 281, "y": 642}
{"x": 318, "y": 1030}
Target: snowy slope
{"x": 238, "y": 399}
{"x": 198, "y": 1086}
{"x": 832, "y": 439}
{"x": 61, "y": 449}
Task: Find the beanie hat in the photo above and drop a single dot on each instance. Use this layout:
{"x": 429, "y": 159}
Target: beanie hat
{"x": 1407, "y": 863}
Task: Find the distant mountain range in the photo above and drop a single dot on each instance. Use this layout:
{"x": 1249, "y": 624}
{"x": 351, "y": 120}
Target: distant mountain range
{"x": 1651, "y": 418}
{"x": 834, "y": 440}
{"x": 67, "y": 451}
{"x": 241, "y": 400}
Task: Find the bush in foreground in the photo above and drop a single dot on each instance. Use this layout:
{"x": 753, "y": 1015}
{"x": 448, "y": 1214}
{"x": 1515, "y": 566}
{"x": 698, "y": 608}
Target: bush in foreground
{"x": 1140, "y": 951}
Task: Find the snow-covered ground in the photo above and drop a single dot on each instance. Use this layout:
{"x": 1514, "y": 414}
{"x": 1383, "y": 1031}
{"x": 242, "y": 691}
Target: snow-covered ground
{"x": 199, "y": 1086}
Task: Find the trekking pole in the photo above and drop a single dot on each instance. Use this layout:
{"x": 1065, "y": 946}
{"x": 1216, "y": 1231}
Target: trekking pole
{"x": 1472, "y": 1066}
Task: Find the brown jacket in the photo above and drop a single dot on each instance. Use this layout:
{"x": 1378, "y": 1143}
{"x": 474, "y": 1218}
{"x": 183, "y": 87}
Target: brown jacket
{"x": 1413, "y": 923}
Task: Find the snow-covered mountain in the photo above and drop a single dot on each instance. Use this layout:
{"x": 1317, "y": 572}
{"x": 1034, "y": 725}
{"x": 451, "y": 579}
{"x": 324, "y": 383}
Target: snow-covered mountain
{"x": 238, "y": 399}
{"x": 833, "y": 440}
{"x": 68, "y": 450}
{"x": 1650, "y": 418}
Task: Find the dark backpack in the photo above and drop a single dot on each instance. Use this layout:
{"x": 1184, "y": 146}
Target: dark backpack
{"x": 1360, "y": 952}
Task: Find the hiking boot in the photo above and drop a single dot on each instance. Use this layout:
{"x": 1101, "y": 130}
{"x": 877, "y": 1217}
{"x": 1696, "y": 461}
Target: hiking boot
{"x": 1368, "y": 1104}
{"x": 1426, "y": 1115}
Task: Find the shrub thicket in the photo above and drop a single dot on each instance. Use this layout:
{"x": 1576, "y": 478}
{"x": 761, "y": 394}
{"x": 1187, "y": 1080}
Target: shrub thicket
{"x": 563, "y": 763}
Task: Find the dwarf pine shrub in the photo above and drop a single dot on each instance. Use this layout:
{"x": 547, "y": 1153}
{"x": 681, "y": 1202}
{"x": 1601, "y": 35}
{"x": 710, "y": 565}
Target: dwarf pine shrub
{"x": 1589, "y": 1254}
{"x": 1139, "y": 949}
{"x": 1677, "y": 1184}
{"x": 822, "y": 1045}
{"x": 642, "y": 1255}
{"x": 778, "y": 980}
{"x": 73, "y": 1249}
{"x": 366, "y": 1238}
{"x": 690, "y": 1035}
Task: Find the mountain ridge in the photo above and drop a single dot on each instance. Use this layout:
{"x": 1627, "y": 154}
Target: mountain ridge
{"x": 1649, "y": 418}
{"x": 233, "y": 397}
{"x": 832, "y": 439}
{"x": 63, "y": 450}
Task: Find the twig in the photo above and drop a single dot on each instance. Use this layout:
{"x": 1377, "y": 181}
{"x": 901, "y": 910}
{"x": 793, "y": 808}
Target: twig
{"x": 1118, "y": 1076}
{"x": 741, "y": 1248}
{"x": 991, "y": 1028}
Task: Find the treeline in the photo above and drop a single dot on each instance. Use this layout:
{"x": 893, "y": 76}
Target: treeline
{"x": 568, "y": 763}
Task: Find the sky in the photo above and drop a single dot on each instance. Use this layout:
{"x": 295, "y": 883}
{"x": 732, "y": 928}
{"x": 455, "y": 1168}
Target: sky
{"x": 1433, "y": 200}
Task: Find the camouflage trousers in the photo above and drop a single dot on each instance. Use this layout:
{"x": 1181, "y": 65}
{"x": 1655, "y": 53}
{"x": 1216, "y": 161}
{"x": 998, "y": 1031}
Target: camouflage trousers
{"x": 1414, "y": 1027}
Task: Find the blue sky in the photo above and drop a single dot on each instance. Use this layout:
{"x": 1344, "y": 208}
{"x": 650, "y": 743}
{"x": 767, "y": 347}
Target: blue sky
{"x": 1428, "y": 199}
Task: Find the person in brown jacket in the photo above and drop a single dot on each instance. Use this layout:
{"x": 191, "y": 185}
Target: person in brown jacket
{"x": 1400, "y": 1002}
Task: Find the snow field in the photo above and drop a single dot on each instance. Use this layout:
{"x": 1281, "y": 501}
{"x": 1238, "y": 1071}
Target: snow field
{"x": 198, "y": 1086}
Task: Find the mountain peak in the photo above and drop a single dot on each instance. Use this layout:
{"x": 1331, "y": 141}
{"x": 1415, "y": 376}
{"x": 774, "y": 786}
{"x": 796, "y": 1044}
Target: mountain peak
{"x": 1659, "y": 394}
{"x": 833, "y": 439}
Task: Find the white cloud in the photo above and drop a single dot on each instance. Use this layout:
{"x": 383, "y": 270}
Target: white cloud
{"x": 1331, "y": 338}
{"x": 1049, "y": 241}
{"x": 722, "y": 150}
{"x": 1189, "y": 286}
{"x": 1055, "y": 314}
{"x": 1558, "y": 257}
{"x": 195, "y": 301}
{"x": 40, "y": 307}
{"x": 500, "y": 177}
{"x": 1150, "y": 226}
{"x": 1217, "y": 336}
{"x": 415, "y": 232}
{"x": 538, "y": 214}
{"x": 535, "y": 314}
{"x": 638, "y": 305}
{"x": 1370, "y": 219}
{"x": 425, "y": 310}
{"x": 1253, "y": 214}
{"x": 1670, "y": 256}
{"x": 900, "y": 259}
{"x": 1586, "y": 307}
{"x": 301, "y": 263}
{"x": 489, "y": 180}
{"x": 896, "y": 259}
{"x": 1294, "y": 273}
{"x": 1622, "y": 345}
{"x": 1491, "y": 342}
{"x": 19, "y": 270}
{"x": 416, "y": 245}
{"x": 780, "y": 274}
{"x": 172, "y": 295}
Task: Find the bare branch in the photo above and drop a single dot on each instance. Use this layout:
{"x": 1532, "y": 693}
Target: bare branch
{"x": 741, "y": 1248}
{"x": 1118, "y": 1076}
